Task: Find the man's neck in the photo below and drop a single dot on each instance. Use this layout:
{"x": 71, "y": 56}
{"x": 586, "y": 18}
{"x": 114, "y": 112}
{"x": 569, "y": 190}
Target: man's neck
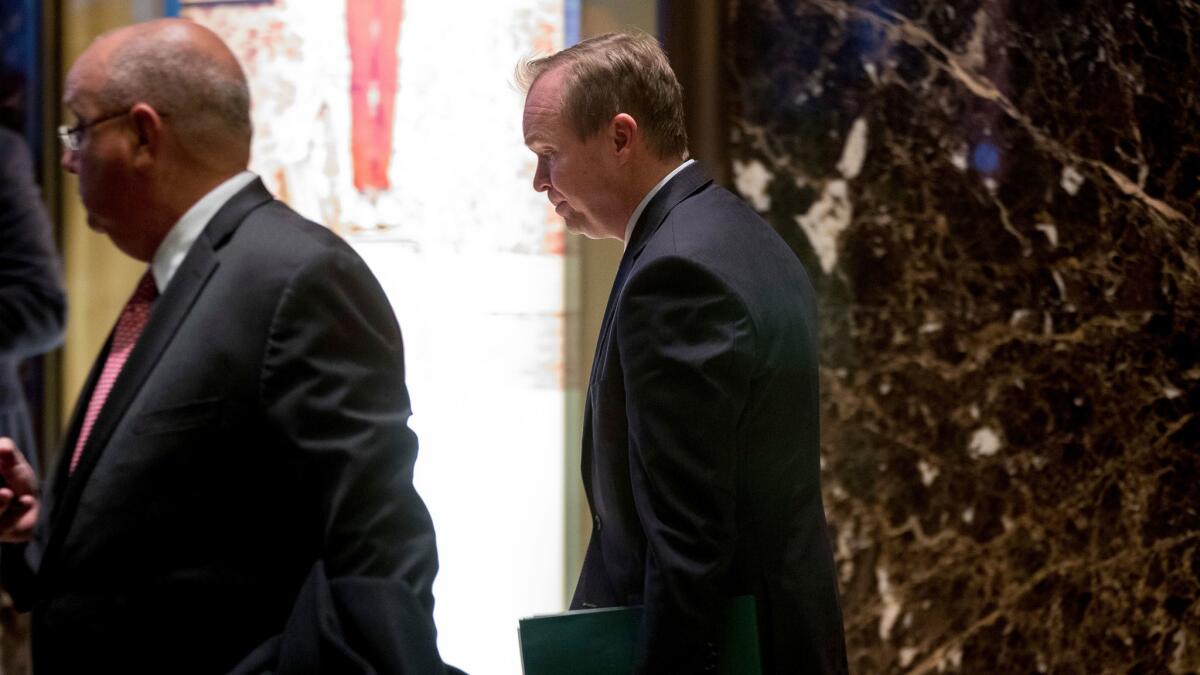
{"x": 185, "y": 191}
{"x": 650, "y": 175}
{"x": 652, "y": 178}
{"x": 177, "y": 194}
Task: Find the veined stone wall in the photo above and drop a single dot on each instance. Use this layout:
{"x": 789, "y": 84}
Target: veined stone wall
{"x": 997, "y": 201}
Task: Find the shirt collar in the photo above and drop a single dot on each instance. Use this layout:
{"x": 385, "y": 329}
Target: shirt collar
{"x": 187, "y": 229}
{"x": 637, "y": 213}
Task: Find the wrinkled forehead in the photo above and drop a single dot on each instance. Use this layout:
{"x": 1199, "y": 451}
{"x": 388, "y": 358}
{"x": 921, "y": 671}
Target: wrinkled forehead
{"x": 550, "y": 88}
{"x": 544, "y": 106}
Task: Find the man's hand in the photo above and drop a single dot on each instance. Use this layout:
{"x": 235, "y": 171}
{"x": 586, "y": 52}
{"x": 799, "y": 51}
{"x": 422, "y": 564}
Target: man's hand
{"x": 18, "y": 497}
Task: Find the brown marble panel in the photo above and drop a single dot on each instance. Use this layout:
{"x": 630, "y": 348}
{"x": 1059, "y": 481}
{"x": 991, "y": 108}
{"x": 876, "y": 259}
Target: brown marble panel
{"x": 997, "y": 201}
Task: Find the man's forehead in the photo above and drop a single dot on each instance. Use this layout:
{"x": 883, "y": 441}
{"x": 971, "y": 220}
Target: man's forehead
{"x": 71, "y": 92}
{"x": 543, "y": 107}
{"x": 548, "y": 87}
{"x": 539, "y": 124}
{"x": 84, "y": 76}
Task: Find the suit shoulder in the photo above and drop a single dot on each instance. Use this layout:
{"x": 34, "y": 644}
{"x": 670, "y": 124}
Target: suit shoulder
{"x": 274, "y": 248}
{"x": 8, "y": 140}
{"x": 720, "y": 233}
{"x": 275, "y": 234}
{"x": 716, "y": 227}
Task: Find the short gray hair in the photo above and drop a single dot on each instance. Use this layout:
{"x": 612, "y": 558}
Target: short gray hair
{"x": 208, "y": 101}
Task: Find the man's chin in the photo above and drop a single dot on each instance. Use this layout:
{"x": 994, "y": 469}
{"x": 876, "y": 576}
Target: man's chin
{"x": 576, "y": 224}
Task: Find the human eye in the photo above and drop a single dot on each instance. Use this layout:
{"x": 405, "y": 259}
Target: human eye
{"x": 76, "y": 133}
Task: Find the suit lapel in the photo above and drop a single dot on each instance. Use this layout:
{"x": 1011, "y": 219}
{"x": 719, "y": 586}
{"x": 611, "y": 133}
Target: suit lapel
{"x": 169, "y": 310}
{"x": 58, "y": 478}
{"x": 685, "y": 183}
{"x": 168, "y": 313}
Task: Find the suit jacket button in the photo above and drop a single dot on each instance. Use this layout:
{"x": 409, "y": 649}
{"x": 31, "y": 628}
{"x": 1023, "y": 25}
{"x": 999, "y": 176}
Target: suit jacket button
{"x": 596, "y": 523}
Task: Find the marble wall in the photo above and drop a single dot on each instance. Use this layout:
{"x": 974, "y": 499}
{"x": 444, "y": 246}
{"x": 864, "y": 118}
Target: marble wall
{"x": 998, "y": 203}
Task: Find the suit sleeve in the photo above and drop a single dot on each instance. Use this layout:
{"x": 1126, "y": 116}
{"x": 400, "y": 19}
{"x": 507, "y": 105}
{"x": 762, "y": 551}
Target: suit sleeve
{"x": 334, "y": 386}
{"x": 685, "y": 344}
{"x": 32, "y": 302}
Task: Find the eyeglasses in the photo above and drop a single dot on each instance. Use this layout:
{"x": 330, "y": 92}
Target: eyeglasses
{"x": 72, "y": 136}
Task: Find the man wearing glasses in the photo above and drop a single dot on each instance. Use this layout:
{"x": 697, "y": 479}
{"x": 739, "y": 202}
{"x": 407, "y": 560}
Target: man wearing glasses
{"x": 245, "y": 427}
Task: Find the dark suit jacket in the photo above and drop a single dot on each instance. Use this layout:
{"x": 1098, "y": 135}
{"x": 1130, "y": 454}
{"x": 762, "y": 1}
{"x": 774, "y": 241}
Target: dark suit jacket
{"x": 349, "y": 626}
{"x": 260, "y": 425}
{"x": 32, "y": 302}
{"x": 701, "y": 442}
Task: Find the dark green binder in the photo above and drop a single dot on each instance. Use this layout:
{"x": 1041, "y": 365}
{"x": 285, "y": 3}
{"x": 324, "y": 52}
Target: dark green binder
{"x": 602, "y": 641}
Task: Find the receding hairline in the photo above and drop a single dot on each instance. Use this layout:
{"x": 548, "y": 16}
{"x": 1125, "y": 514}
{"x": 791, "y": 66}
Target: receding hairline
{"x": 170, "y": 33}
{"x": 109, "y": 48}
{"x": 533, "y": 68}
{"x": 177, "y": 67}
{"x": 627, "y": 71}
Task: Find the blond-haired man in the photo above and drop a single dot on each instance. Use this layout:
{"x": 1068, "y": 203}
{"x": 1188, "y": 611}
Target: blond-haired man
{"x": 701, "y": 444}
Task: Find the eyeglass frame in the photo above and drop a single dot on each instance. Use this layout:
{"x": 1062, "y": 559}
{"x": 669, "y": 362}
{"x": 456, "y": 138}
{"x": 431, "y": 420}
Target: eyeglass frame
{"x": 71, "y": 137}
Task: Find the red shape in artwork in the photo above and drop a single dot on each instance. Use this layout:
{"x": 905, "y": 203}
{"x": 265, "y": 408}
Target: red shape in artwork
{"x": 373, "y": 29}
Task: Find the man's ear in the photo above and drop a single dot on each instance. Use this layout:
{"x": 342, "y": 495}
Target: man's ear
{"x": 148, "y": 130}
{"x": 624, "y": 134}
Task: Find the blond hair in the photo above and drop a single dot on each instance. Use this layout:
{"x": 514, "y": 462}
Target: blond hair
{"x": 618, "y": 73}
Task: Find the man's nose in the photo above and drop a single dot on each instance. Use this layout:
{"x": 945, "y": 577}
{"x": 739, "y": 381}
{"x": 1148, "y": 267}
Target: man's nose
{"x": 68, "y": 160}
{"x": 541, "y": 177}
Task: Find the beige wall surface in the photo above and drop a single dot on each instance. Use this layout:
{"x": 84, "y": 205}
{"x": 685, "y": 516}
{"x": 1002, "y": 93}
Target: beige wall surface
{"x": 603, "y": 16}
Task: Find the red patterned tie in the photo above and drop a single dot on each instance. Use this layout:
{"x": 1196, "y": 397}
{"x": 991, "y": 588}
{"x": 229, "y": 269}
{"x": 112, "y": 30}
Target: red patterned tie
{"x": 125, "y": 336}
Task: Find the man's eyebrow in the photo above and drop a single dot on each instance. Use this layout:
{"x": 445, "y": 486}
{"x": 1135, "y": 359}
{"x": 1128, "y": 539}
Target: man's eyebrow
{"x": 536, "y": 139}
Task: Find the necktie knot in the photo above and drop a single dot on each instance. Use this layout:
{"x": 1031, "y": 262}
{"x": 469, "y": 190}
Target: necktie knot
{"x": 146, "y": 291}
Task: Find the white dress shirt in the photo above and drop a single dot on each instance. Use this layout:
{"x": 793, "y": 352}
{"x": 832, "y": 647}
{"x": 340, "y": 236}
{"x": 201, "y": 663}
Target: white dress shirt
{"x": 183, "y": 233}
{"x": 637, "y": 213}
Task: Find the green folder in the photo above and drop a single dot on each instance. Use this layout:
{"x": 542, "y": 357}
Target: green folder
{"x": 603, "y": 641}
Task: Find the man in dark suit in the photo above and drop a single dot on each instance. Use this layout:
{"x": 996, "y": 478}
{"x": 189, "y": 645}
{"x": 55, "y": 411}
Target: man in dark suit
{"x": 700, "y": 446}
{"x": 247, "y": 421}
{"x": 32, "y": 314}
{"x": 32, "y": 302}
